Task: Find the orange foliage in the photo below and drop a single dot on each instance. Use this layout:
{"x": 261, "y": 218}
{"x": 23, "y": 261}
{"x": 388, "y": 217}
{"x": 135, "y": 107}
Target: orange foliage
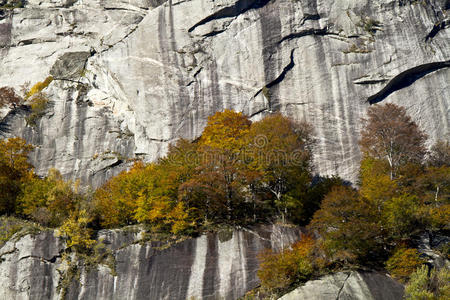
{"x": 294, "y": 265}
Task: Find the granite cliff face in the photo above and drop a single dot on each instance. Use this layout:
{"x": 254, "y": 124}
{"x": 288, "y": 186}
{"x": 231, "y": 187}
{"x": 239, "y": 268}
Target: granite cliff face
{"x": 213, "y": 266}
{"x": 131, "y": 76}
{"x": 349, "y": 285}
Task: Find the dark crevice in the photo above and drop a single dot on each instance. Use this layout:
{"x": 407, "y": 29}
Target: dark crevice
{"x": 309, "y": 17}
{"x": 369, "y": 81}
{"x": 123, "y": 38}
{"x": 160, "y": 140}
{"x": 115, "y": 164}
{"x": 342, "y": 287}
{"x": 407, "y": 78}
{"x": 51, "y": 260}
{"x": 258, "y": 112}
{"x": 436, "y": 28}
{"x": 312, "y": 31}
{"x": 235, "y": 10}
{"x": 286, "y": 69}
{"x": 213, "y": 33}
{"x": 277, "y": 80}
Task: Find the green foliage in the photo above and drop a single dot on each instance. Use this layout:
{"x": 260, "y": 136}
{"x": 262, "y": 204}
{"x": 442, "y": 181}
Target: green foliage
{"x": 403, "y": 263}
{"x": 426, "y": 285}
{"x": 401, "y": 215}
{"x": 349, "y": 227}
{"x": 369, "y": 25}
{"x": 8, "y": 227}
{"x": 12, "y": 4}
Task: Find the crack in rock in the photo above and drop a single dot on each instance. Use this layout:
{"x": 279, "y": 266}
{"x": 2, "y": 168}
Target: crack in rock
{"x": 240, "y": 7}
{"x": 255, "y": 233}
{"x": 278, "y": 80}
{"x": 342, "y": 287}
{"x": 306, "y": 32}
{"x": 406, "y": 78}
{"x": 49, "y": 261}
{"x": 436, "y": 29}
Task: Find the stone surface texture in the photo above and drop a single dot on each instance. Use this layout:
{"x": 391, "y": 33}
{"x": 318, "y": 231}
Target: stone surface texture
{"x": 349, "y": 286}
{"x": 212, "y": 266}
{"x": 131, "y": 76}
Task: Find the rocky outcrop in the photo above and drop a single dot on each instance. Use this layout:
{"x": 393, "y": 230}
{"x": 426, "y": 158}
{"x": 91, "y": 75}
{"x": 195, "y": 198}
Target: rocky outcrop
{"x": 212, "y": 266}
{"x": 134, "y": 75}
{"x": 349, "y": 286}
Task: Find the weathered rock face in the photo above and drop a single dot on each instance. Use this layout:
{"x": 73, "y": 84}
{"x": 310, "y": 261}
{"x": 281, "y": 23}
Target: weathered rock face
{"x": 349, "y": 286}
{"x": 133, "y": 75}
{"x": 213, "y": 266}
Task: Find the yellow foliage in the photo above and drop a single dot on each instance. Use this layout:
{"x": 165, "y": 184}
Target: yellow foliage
{"x": 116, "y": 201}
{"x": 403, "y": 263}
{"x": 226, "y": 131}
{"x": 376, "y": 184}
{"x": 50, "y": 200}
{"x": 38, "y": 105}
{"x": 39, "y": 87}
{"x": 14, "y": 170}
{"x": 76, "y": 232}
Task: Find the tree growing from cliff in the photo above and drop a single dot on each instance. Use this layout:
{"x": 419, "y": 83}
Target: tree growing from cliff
{"x": 440, "y": 154}
{"x": 349, "y": 227}
{"x": 389, "y": 134}
{"x": 14, "y": 169}
{"x": 280, "y": 150}
{"x": 8, "y": 96}
{"x": 220, "y": 177}
{"x": 50, "y": 200}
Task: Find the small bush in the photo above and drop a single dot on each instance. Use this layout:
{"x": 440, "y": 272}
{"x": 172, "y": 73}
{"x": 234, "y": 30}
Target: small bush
{"x": 8, "y": 96}
{"x": 39, "y": 87}
{"x": 76, "y": 233}
{"x": 426, "y": 285}
{"x": 38, "y": 105}
{"x": 11, "y": 4}
{"x": 281, "y": 270}
{"x": 403, "y": 263}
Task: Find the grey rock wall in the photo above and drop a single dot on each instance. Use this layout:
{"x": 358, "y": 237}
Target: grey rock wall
{"x": 349, "y": 286}
{"x": 212, "y": 266}
{"x": 155, "y": 70}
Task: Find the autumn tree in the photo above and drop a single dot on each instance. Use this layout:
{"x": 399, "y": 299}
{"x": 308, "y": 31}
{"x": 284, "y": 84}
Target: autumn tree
{"x": 116, "y": 200}
{"x": 226, "y": 131}
{"x": 279, "y": 149}
{"x": 349, "y": 227}
{"x": 8, "y": 96}
{"x": 220, "y": 178}
{"x": 389, "y": 134}
{"x": 14, "y": 169}
{"x": 49, "y": 200}
{"x": 440, "y": 154}
{"x": 404, "y": 262}
{"x": 279, "y": 270}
